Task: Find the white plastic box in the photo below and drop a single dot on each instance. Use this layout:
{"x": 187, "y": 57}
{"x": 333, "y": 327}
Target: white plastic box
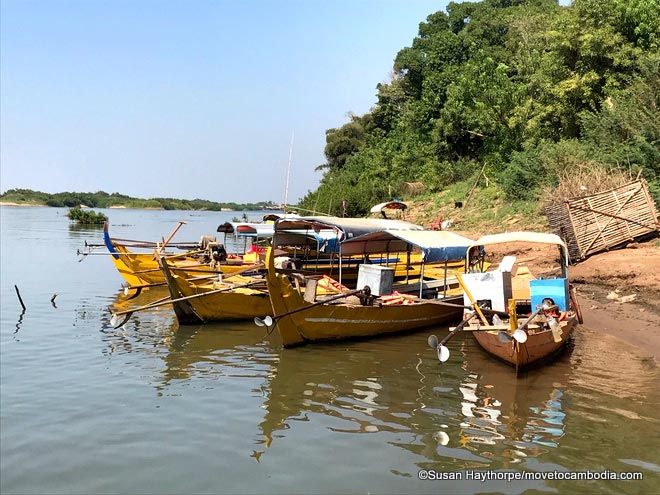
{"x": 492, "y": 286}
{"x": 378, "y": 278}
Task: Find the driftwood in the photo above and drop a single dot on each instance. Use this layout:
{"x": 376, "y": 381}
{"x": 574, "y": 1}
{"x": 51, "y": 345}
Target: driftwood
{"x": 605, "y": 220}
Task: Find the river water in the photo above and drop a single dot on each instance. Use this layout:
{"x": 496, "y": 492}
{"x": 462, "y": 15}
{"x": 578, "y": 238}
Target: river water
{"x": 153, "y": 408}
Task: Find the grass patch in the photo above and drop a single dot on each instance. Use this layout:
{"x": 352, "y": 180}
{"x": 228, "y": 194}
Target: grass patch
{"x": 486, "y": 210}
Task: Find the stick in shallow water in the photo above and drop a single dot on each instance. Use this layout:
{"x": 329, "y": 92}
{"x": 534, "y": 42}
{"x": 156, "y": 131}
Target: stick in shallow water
{"x": 20, "y": 299}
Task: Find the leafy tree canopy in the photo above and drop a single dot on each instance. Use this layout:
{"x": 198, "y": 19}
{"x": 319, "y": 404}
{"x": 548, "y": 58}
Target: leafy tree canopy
{"x": 526, "y": 87}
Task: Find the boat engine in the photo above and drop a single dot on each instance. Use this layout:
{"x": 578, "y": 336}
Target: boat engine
{"x": 217, "y": 251}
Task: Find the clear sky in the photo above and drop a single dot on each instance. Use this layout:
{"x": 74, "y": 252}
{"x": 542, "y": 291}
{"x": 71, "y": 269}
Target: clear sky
{"x": 187, "y": 99}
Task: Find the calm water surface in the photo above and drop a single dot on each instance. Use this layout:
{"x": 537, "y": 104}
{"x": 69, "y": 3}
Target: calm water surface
{"x": 153, "y": 408}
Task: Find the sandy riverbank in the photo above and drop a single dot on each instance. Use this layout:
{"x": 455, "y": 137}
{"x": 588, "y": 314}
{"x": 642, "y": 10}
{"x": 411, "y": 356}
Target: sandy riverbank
{"x": 9, "y": 203}
{"x": 620, "y": 290}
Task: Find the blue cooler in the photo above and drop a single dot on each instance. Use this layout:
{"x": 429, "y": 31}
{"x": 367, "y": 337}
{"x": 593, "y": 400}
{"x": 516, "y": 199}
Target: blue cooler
{"x": 554, "y": 288}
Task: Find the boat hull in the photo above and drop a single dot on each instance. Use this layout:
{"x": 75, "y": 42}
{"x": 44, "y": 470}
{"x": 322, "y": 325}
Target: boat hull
{"x": 538, "y": 348}
{"x": 215, "y": 301}
{"x": 342, "y": 320}
{"x": 142, "y": 268}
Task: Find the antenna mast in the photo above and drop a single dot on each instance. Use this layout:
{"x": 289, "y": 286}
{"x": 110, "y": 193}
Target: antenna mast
{"x": 288, "y": 174}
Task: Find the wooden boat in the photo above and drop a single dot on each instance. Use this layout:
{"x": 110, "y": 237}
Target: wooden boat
{"x": 238, "y": 297}
{"x": 233, "y": 298}
{"x": 362, "y": 312}
{"x": 536, "y": 316}
{"x": 198, "y": 259}
{"x": 313, "y": 245}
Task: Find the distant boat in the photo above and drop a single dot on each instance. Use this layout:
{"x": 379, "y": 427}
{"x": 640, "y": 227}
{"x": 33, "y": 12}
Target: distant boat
{"x": 388, "y": 207}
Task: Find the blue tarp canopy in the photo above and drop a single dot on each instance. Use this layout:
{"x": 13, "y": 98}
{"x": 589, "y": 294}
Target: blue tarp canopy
{"x": 324, "y": 240}
{"x": 436, "y": 246}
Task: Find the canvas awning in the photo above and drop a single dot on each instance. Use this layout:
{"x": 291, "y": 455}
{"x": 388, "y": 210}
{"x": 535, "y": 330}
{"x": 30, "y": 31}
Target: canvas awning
{"x": 436, "y": 246}
{"x": 347, "y": 228}
{"x": 244, "y": 229}
{"x": 389, "y": 205}
{"x": 324, "y": 240}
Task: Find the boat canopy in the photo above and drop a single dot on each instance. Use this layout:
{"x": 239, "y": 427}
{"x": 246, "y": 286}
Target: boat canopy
{"x": 243, "y": 229}
{"x": 389, "y": 205}
{"x": 323, "y": 241}
{"x": 533, "y": 237}
{"x": 346, "y": 228}
{"x": 272, "y": 217}
{"x": 436, "y": 246}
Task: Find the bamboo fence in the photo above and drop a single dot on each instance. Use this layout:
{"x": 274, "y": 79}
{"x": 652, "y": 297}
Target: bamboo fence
{"x": 605, "y": 220}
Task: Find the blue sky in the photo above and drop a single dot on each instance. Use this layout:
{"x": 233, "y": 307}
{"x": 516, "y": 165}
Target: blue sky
{"x": 187, "y": 99}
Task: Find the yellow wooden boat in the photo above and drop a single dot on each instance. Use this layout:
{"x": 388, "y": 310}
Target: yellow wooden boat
{"x": 303, "y": 317}
{"x": 228, "y": 298}
{"x": 316, "y": 244}
{"x": 142, "y": 268}
{"x": 234, "y": 298}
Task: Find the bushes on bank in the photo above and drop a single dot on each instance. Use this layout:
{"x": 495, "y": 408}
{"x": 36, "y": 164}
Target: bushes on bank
{"x": 86, "y": 217}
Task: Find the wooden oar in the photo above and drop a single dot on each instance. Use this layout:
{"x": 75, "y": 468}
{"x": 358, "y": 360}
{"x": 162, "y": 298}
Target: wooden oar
{"x": 459, "y": 277}
{"x": 176, "y": 229}
{"x": 179, "y": 255}
{"x": 114, "y": 255}
{"x": 255, "y": 267}
{"x": 270, "y": 320}
{"x": 443, "y": 351}
{"x": 187, "y": 253}
{"x": 139, "y": 288}
{"x": 138, "y": 243}
{"x": 168, "y": 300}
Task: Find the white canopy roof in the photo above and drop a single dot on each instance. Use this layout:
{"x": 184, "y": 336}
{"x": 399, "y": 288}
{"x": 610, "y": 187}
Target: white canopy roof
{"x": 347, "y": 227}
{"x": 534, "y": 237}
{"x": 390, "y": 205}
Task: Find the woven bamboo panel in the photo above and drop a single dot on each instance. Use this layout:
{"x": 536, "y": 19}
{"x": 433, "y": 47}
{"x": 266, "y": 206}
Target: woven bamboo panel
{"x": 592, "y": 224}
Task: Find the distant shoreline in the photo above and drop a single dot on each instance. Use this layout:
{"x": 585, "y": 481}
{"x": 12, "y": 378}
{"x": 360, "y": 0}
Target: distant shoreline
{"x": 118, "y": 207}
{"x": 9, "y": 203}
{"x": 101, "y": 199}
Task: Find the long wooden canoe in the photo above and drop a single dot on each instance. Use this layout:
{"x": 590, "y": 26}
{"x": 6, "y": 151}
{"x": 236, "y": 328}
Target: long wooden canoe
{"x": 140, "y": 268}
{"x": 235, "y": 298}
{"x": 300, "y": 321}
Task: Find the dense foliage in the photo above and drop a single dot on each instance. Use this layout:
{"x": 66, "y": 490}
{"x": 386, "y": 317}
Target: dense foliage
{"x": 102, "y": 199}
{"x": 527, "y": 88}
{"x": 86, "y": 217}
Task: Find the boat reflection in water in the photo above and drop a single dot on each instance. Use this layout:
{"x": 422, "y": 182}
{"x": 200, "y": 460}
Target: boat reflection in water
{"x": 391, "y": 394}
{"x": 526, "y": 416}
{"x": 375, "y": 386}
